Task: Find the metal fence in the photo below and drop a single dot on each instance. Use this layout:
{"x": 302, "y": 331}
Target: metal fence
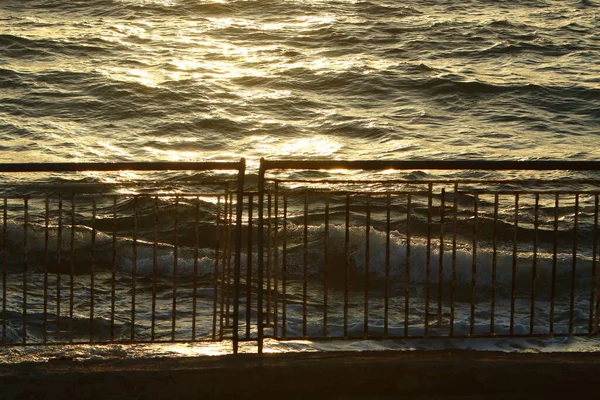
{"x": 427, "y": 249}
{"x": 317, "y": 250}
{"x": 82, "y": 262}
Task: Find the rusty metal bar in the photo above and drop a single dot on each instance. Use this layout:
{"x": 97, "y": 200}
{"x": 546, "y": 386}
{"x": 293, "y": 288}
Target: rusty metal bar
{"x": 25, "y": 265}
{"x": 92, "y": 270}
{"x": 554, "y": 264}
{"x": 216, "y": 270}
{"x": 119, "y": 166}
{"x": 59, "y": 261}
{"x": 367, "y": 268}
{"x": 407, "y": 266}
{"x": 269, "y": 256}
{"x": 224, "y": 263}
{"x": 494, "y": 266}
{"x": 238, "y": 254}
{"x": 513, "y": 285}
{"x": 249, "y": 253}
{"x": 276, "y": 263}
{"x": 229, "y": 247}
{"x": 134, "y": 265}
{"x": 428, "y": 258}
{"x": 595, "y": 275}
{"x": 72, "y": 272}
{"x": 326, "y": 266}
{"x": 453, "y": 279}
{"x": 196, "y": 256}
{"x": 284, "y": 271}
{"x": 574, "y": 265}
{"x": 259, "y": 305}
{"x": 487, "y": 165}
{"x": 46, "y": 257}
{"x": 534, "y": 265}
{"x": 441, "y": 256}
{"x": 154, "y": 268}
{"x": 175, "y": 268}
{"x": 386, "y": 306}
{"x": 113, "y": 278}
{"x": 474, "y": 263}
{"x": 346, "y": 265}
{"x": 4, "y": 268}
{"x": 305, "y": 271}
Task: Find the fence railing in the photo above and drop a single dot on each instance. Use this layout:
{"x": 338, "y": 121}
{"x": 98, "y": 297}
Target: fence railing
{"x": 448, "y": 251}
{"x": 318, "y": 250}
{"x": 79, "y": 265}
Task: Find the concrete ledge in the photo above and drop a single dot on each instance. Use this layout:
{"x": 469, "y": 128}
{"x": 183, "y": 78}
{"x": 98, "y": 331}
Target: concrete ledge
{"x": 341, "y": 375}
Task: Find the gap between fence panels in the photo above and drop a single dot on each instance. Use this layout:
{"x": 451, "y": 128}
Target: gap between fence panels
{"x": 432, "y": 251}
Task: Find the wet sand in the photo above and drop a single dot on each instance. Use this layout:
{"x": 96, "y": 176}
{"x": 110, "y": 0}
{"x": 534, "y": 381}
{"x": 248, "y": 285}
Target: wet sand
{"x": 336, "y": 375}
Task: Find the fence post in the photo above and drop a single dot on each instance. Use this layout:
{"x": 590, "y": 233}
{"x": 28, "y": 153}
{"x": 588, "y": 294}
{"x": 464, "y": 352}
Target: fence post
{"x": 238, "y": 253}
{"x": 260, "y": 245}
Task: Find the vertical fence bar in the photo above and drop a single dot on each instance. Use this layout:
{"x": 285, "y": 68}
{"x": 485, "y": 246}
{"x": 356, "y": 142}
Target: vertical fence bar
{"x": 92, "y": 270}
{"x": 367, "y": 268}
{"x": 474, "y": 264}
{"x": 46, "y": 257}
{"x": 513, "y": 285}
{"x": 196, "y": 257}
{"x": 386, "y": 306}
{"x": 229, "y": 249}
{"x": 305, "y": 270}
{"x": 407, "y": 266}
{"x": 534, "y": 265}
{"x": 284, "y": 270}
{"x": 326, "y": 266}
{"x": 494, "y": 266}
{"x": 154, "y": 269}
{"x": 453, "y": 279}
{"x": 216, "y": 269}
{"x": 276, "y": 262}
{"x": 237, "y": 262}
{"x": 346, "y": 264}
{"x": 269, "y": 256}
{"x": 175, "y": 269}
{"x": 224, "y": 263}
{"x": 249, "y": 253}
{"x": 113, "y": 278}
{"x": 4, "y": 268}
{"x": 428, "y": 259}
{"x": 134, "y": 265}
{"x": 259, "y": 300}
{"x": 554, "y": 264}
{"x": 72, "y": 272}
{"x": 574, "y": 265}
{"x": 594, "y": 319}
{"x": 441, "y": 256}
{"x": 25, "y": 265}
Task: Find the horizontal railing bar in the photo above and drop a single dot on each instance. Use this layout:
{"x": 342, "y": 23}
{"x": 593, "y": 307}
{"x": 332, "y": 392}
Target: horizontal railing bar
{"x": 121, "y": 166}
{"x": 298, "y": 192}
{"x": 431, "y": 165}
{"x": 120, "y": 342}
{"x": 420, "y": 337}
{"x": 439, "y": 181}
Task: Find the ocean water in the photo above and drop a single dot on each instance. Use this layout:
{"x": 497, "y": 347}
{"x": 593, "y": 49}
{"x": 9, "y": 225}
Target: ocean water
{"x": 152, "y": 80}
{"x": 108, "y": 80}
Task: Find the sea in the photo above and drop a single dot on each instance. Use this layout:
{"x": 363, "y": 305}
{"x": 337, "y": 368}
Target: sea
{"x": 195, "y": 80}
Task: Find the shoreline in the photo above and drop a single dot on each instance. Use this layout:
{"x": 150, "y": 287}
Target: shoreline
{"x": 337, "y": 375}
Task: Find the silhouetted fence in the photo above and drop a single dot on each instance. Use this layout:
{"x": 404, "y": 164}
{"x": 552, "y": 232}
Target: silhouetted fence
{"x": 318, "y": 250}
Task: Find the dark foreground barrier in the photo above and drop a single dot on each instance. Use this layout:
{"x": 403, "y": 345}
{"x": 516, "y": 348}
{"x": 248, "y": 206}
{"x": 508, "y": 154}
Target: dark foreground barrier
{"x": 318, "y": 250}
{"x": 354, "y": 375}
